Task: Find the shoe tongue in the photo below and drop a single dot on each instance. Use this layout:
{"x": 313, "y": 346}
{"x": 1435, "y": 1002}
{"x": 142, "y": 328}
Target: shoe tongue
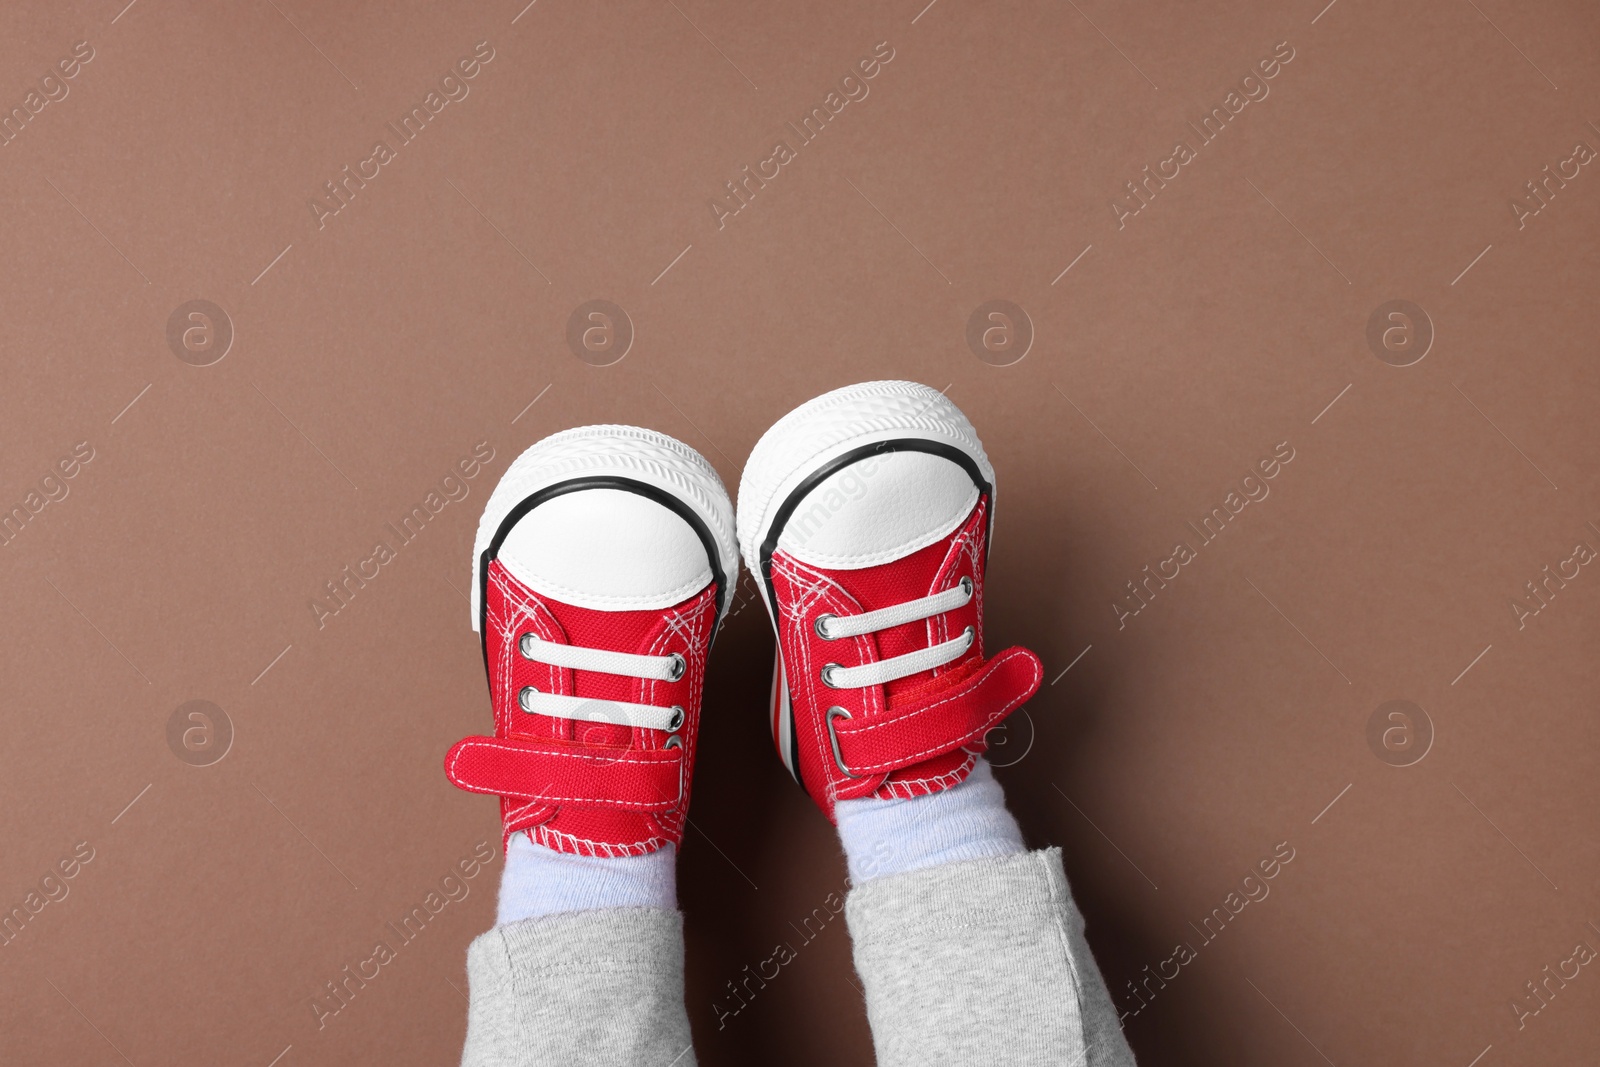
{"x": 615, "y": 631}
{"x": 908, "y": 578}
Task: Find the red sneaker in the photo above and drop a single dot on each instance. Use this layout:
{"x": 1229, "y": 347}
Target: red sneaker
{"x": 865, "y": 517}
{"x": 604, "y": 561}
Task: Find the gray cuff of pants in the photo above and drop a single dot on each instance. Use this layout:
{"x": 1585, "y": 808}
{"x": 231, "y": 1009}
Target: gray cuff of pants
{"x": 982, "y": 962}
{"x": 601, "y": 988}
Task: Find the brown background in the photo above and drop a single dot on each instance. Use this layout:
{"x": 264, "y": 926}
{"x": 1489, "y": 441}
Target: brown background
{"x": 1224, "y": 318}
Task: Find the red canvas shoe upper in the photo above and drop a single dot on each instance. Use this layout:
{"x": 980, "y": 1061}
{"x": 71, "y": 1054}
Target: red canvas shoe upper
{"x": 901, "y": 736}
{"x": 601, "y": 570}
{"x": 583, "y": 784}
{"x": 865, "y": 515}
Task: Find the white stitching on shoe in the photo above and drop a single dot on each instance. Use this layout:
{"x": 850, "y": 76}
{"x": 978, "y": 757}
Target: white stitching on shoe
{"x": 966, "y": 688}
{"x": 584, "y": 847}
{"x": 818, "y": 588}
{"x": 906, "y": 787}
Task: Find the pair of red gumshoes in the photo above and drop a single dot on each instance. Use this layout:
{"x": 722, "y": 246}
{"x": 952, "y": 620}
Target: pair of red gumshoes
{"x": 606, "y": 559}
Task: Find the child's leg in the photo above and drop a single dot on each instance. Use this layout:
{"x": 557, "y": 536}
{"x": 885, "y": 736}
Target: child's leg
{"x": 969, "y": 947}
{"x": 603, "y": 985}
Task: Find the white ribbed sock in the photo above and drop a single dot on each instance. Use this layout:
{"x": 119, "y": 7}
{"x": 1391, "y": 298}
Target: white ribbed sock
{"x": 965, "y": 822}
{"x": 540, "y": 881}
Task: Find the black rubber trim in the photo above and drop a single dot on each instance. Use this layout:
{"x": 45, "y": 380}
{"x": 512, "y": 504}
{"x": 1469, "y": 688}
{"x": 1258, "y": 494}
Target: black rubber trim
{"x": 667, "y": 500}
{"x": 816, "y": 478}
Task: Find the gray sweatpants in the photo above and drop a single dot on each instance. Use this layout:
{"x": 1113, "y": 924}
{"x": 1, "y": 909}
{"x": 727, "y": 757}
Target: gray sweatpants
{"x": 978, "y": 962}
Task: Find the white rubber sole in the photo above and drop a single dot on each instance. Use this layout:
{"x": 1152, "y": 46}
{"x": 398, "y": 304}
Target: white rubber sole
{"x": 630, "y": 454}
{"x": 820, "y": 431}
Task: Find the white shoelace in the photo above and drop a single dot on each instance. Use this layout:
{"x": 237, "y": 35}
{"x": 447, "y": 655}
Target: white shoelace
{"x": 667, "y": 668}
{"x": 836, "y": 627}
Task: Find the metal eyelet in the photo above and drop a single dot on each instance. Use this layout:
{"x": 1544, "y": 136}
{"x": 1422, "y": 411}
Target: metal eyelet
{"x": 837, "y": 712}
{"x": 524, "y": 643}
{"x": 821, "y": 626}
{"x": 971, "y": 636}
{"x": 679, "y": 665}
{"x": 673, "y": 742}
{"x": 827, "y": 674}
{"x": 525, "y": 694}
{"x": 676, "y": 722}
{"x": 967, "y": 586}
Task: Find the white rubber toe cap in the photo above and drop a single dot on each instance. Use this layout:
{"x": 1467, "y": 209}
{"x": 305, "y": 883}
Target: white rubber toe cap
{"x": 595, "y": 547}
{"x": 607, "y": 549}
{"x": 848, "y": 420}
{"x": 878, "y": 510}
